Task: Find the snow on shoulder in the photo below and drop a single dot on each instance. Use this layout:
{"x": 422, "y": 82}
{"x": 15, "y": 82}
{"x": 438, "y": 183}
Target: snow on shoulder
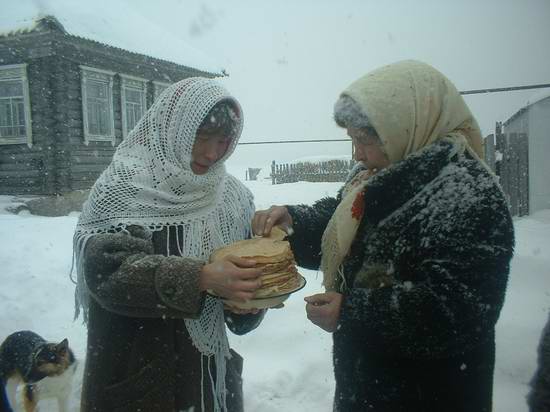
{"x": 114, "y": 23}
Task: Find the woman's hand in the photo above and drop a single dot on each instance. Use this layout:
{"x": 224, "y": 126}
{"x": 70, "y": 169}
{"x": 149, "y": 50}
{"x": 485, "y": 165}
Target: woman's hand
{"x": 264, "y": 220}
{"x": 323, "y": 309}
{"x": 232, "y": 278}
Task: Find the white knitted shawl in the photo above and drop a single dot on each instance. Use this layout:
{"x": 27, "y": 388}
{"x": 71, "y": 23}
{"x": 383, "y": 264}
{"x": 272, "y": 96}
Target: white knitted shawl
{"x": 150, "y": 183}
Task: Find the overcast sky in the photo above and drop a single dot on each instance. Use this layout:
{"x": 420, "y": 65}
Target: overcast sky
{"x": 288, "y": 60}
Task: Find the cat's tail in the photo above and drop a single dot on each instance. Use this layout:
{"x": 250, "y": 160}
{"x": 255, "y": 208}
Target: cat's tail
{"x": 4, "y": 403}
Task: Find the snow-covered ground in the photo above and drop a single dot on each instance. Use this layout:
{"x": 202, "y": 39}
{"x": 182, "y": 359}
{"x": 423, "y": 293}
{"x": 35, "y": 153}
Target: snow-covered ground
{"x": 287, "y": 359}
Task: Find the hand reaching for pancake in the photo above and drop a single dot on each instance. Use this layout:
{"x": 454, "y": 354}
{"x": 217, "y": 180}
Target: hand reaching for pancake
{"x": 231, "y": 277}
{"x": 264, "y": 220}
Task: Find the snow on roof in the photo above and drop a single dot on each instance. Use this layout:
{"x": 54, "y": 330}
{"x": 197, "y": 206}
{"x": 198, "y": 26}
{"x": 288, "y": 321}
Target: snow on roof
{"x": 538, "y": 96}
{"x": 114, "y": 23}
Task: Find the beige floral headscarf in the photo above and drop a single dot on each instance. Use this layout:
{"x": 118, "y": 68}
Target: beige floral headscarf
{"x": 411, "y": 105}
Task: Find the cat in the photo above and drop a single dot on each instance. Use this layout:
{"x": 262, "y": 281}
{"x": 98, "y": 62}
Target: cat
{"x": 45, "y": 369}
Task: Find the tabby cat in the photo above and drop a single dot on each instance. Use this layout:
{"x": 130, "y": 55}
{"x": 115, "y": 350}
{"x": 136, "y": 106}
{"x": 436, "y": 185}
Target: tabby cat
{"x": 46, "y": 369}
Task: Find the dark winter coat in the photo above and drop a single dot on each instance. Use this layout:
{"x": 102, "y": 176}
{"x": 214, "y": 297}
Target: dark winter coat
{"x": 139, "y": 354}
{"x": 539, "y": 396}
{"x": 425, "y": 281}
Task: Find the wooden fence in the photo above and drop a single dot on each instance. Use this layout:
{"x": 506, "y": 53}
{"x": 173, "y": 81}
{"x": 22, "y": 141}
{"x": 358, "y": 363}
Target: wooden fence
{"x": 334, "y": 170}
{"x": 508, "y": 155}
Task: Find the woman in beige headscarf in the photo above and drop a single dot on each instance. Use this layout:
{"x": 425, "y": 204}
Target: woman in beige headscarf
{"x": 415, "y": 250}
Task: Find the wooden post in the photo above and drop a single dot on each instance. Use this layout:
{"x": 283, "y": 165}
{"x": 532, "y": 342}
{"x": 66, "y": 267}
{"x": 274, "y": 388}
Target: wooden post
{"x": 273, "y": 180}
{"x": 513, "y": 186}
{"x": 523, "y": 172}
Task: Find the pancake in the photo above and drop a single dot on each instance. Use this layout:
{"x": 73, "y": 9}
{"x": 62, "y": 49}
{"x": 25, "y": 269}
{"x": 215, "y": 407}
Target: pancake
{"x": 273, "y": 256}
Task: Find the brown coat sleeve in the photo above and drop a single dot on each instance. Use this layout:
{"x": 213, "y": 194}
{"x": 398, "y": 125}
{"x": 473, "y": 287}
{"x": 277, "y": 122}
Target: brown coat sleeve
{"x": 124, "y": 277}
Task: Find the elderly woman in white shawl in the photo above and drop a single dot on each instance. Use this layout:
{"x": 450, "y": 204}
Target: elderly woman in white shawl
{"x": 415, "y": 250}
{"x": 156, "y": 340}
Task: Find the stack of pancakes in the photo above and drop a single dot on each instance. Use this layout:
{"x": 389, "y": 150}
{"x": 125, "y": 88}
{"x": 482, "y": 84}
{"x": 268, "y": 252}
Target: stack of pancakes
{"x": 274, "y": 256}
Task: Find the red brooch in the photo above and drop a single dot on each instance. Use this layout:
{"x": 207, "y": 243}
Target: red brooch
{"x": 358, "y": 206}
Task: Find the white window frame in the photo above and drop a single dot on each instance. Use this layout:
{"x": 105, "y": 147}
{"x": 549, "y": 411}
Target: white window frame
{"x": 135, "y": 84}
{"x": 18, "y": 72}
{"x": 105, "y": 77}
{"x": 158, "y": 88}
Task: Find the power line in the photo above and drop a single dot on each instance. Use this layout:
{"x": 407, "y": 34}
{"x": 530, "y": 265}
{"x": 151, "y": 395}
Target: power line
{"x": 506, "y": 89}
{"x": 477, "y": 91}
{"x": 298, "y": 141}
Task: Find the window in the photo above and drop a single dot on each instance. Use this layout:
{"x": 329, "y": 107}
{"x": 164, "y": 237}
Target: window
{"x": 133, "y": 98}
{"x": 15, "y": 109}
{"x": 158, "y": 88}
{"x": 97, "y": 105}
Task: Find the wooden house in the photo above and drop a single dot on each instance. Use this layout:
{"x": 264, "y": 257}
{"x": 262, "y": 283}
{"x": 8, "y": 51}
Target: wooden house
{"x": 67, "y": 101}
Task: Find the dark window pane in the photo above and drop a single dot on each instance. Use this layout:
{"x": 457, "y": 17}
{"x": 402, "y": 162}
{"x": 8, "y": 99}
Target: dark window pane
{"x": 133, "y": 114}
{"x": 133, "y": 96}
{"x": 5, "y": 113}
{"x": 11, "y": 88}
{"x": 12, "y": 118}
{"x": 96, "y": 90}
{"x": 99, "y": 115}
{"x": 21, "y": 112}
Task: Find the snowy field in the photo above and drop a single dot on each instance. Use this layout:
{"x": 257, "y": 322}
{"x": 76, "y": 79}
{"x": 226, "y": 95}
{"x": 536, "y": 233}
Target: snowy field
{"x": 287, "y": 359}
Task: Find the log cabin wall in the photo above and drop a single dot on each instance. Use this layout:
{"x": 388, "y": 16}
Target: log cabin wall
{"x": 60, "y": 160}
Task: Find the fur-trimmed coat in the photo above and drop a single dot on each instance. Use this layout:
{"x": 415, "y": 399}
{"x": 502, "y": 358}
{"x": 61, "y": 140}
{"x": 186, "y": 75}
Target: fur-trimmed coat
{"x": 539, "y": 396}
{"x": 423, "y": 287}
{"x": 139, "y": 354}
